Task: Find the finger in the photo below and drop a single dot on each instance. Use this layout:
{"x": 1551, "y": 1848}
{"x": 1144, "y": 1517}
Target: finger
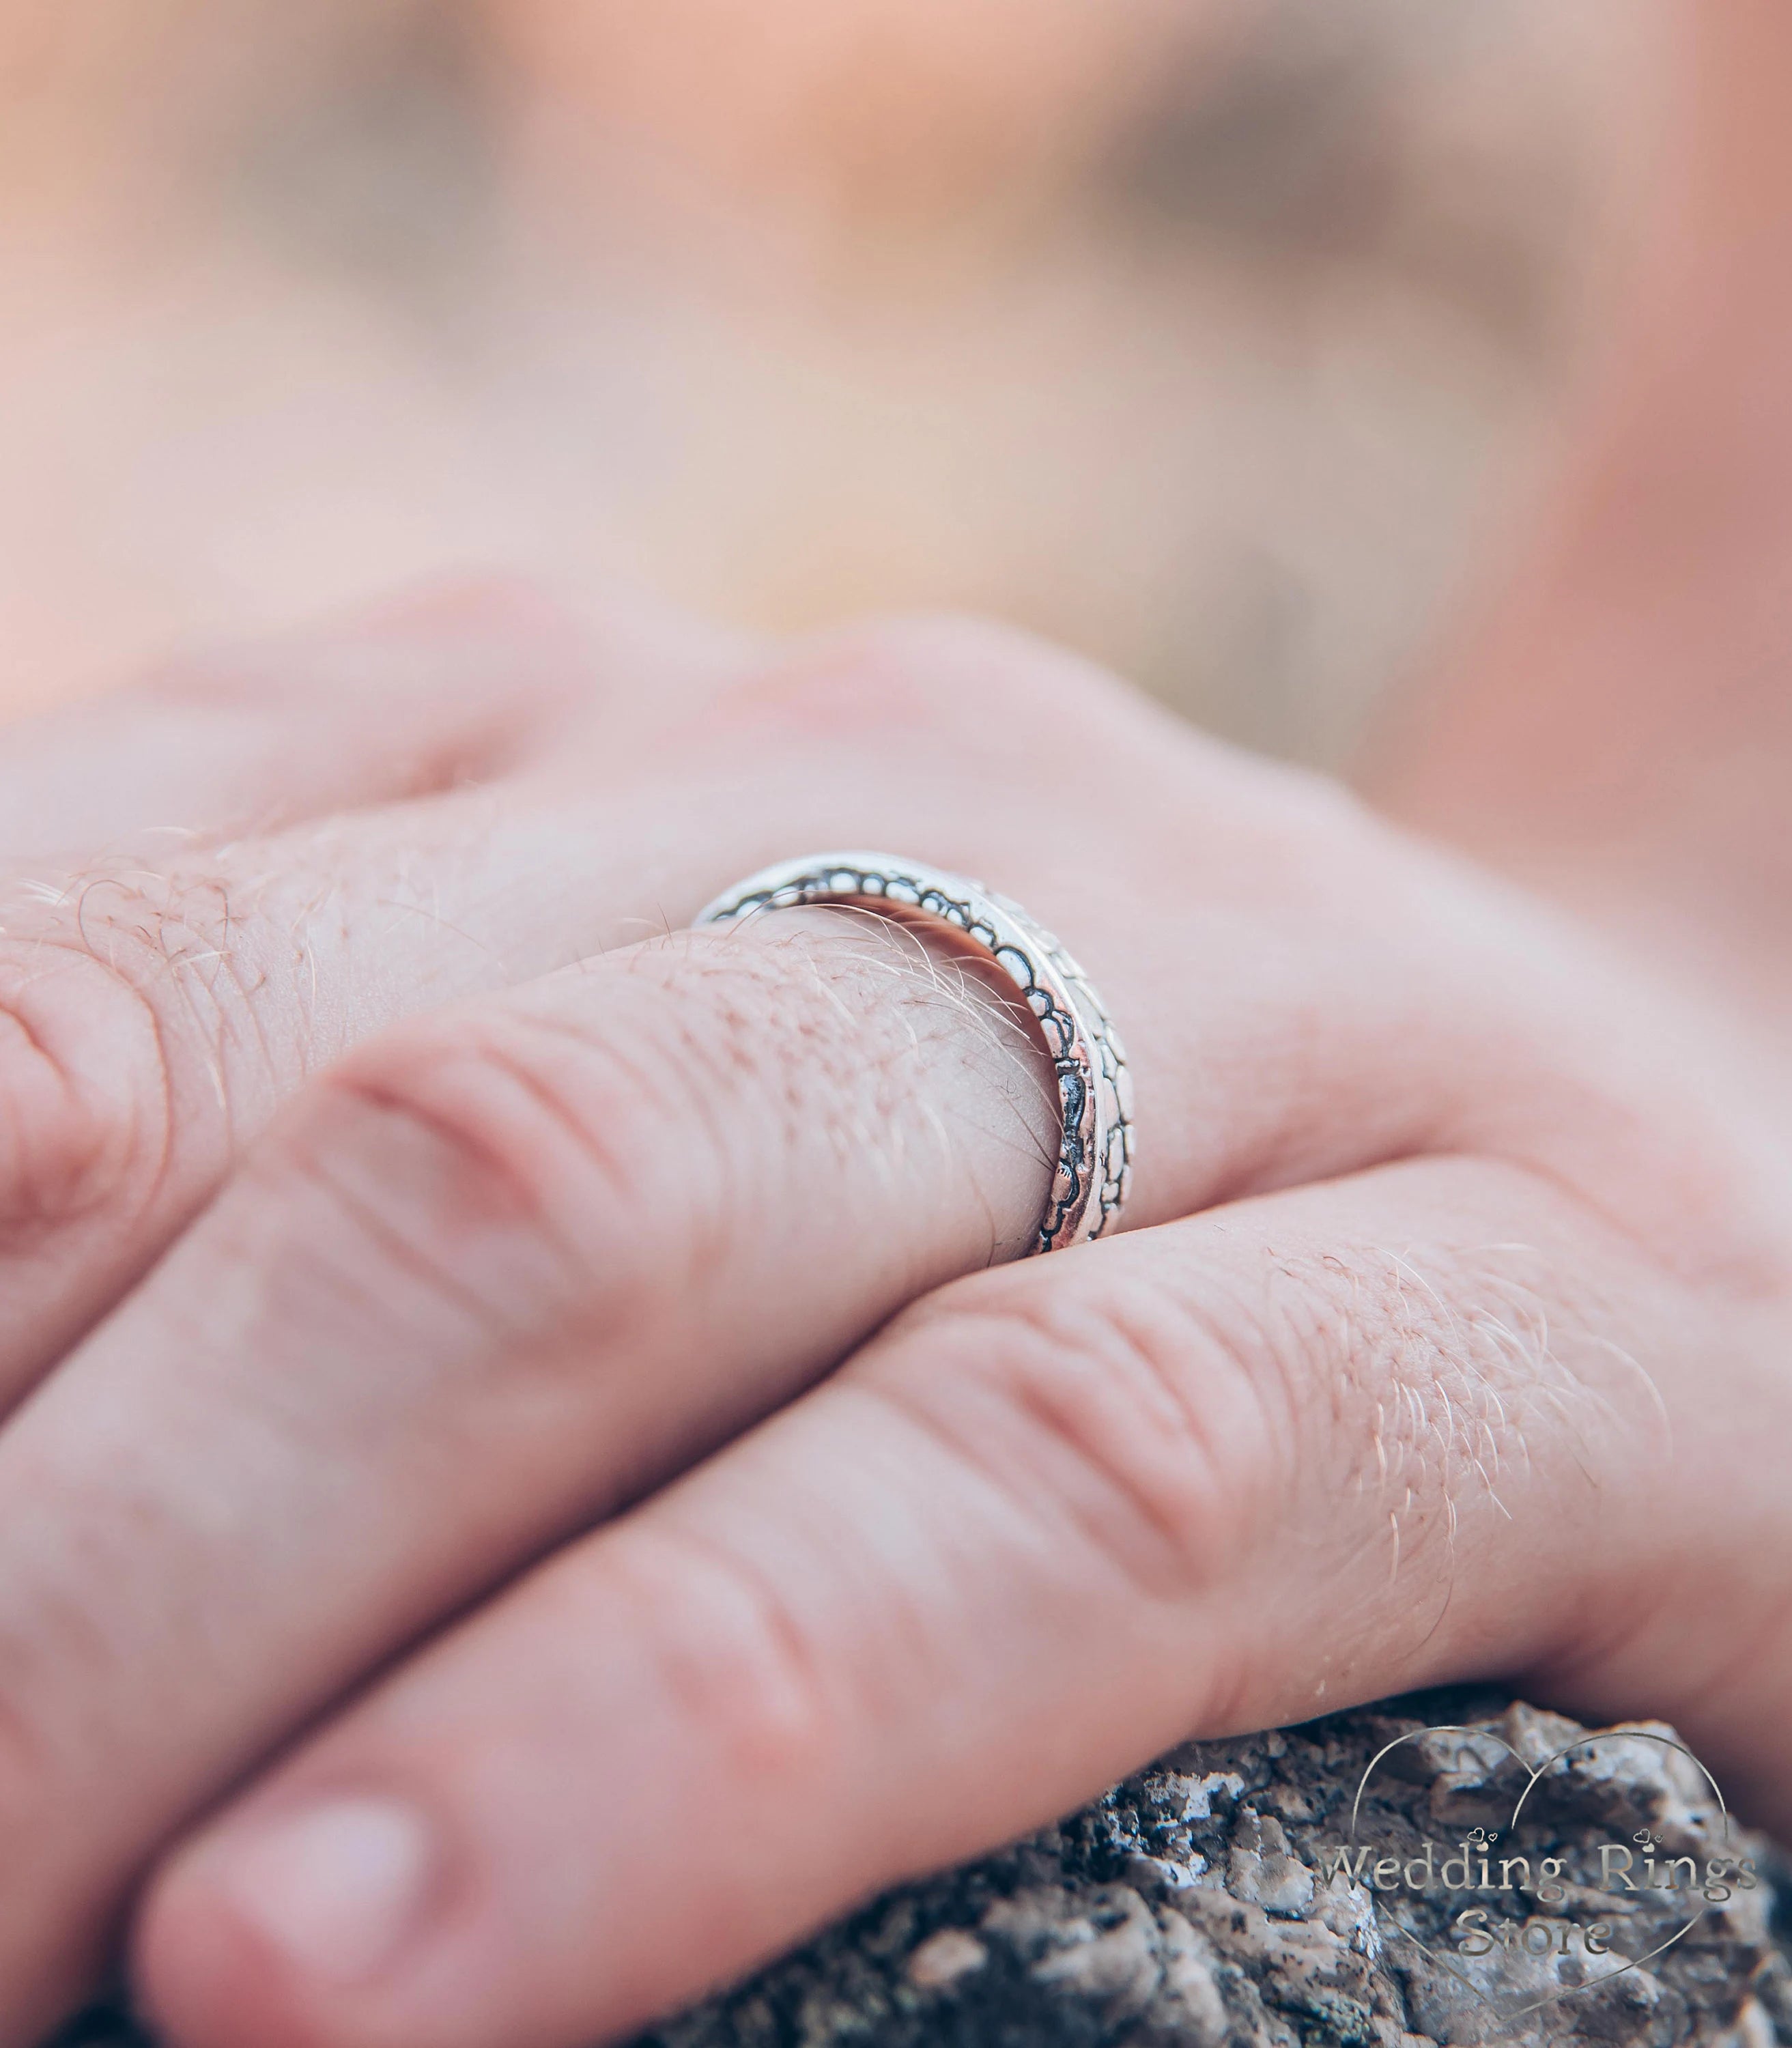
{"x": 152, "y": 1018}
{"x": 155, "y": 1009}
{"x": 1292, "y": 1455}
{"x": 505, "y": 1271}
{"x": 231, "y": 1413}
{"x": 369, "y": 1321}
{"x": 1302, "y": 990}
{"x": 1191, "y": 999}
{"x": 458, "y": 683}
{"x": 1265, "y": 944}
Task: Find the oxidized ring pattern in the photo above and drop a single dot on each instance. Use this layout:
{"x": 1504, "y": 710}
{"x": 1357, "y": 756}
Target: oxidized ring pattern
{"x": 1095, "y": 1090}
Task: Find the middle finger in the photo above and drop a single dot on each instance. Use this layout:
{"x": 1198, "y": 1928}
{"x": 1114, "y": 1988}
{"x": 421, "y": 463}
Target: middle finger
{"x": 418, "y": 1338}
{"x": 486, "y": 1286}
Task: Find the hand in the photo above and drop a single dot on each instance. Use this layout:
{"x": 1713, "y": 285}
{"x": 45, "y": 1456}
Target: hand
{"x": 533, "y": 1482}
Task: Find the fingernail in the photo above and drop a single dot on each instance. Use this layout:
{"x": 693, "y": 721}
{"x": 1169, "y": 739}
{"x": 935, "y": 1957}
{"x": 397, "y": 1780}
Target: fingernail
{"x": 336, "y": 1887}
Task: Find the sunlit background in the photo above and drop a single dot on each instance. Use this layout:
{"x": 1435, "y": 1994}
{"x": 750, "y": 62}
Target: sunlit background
{"x": 1218, "y": 337}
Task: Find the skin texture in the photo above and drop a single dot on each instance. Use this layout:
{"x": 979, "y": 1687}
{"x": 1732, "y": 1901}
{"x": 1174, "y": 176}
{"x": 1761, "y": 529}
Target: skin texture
{"x": 497, "y": 1382}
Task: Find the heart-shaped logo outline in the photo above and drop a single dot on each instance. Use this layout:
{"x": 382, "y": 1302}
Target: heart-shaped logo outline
{"x": 1508, "y": 2015}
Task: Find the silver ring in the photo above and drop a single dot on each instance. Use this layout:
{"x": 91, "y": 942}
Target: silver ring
{"x": 1095, "y": 1090}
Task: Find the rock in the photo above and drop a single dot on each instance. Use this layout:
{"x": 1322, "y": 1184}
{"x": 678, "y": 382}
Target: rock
{"x": 1191, "y": 1908}
{"x": 1263, "y": 1869}
{"x": 1200, "y": 1904}
{"x": 943, "y": 1958}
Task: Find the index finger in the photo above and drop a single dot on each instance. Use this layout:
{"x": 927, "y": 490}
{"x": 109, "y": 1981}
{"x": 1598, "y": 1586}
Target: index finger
{"x": 442, "y": 686}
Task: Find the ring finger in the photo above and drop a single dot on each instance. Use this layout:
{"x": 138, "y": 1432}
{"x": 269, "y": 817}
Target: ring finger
{"x": 535, "y": 1253}
{"x": 451, "y": 1278}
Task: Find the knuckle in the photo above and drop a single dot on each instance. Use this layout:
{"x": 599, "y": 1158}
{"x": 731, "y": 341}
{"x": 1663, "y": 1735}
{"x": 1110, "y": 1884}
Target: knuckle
{"x": 730, "y": 1652}
{"x": 85, "y": 1120}
{"x": 1432, "y": 1372}
{"x": 1302, "y": 823}
{"x": 1110, "y": 1404}
{"x": 497, "y": 602}
{"x": 1319, "y": 811}
{"x": 29, "y": 1761}
{"x": 914, "y": 677}
{"x": 510, "y": 1163}
{"x": 442, "y": 621}
{"x": 145, "y": 997}
{"x": 960, "y": 662}
{"x": 54, "y": 1647}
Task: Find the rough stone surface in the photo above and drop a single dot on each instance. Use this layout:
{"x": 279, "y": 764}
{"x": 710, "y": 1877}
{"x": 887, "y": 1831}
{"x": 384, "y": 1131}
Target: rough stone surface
{"x": 1197, "y": 1906}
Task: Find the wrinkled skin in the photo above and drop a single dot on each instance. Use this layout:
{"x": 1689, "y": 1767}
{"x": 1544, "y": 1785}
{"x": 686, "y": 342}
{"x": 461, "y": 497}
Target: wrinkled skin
{"x": 500, "y": 1388}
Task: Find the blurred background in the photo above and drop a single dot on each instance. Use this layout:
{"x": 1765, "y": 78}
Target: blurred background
{"x": 1223, "y": 338}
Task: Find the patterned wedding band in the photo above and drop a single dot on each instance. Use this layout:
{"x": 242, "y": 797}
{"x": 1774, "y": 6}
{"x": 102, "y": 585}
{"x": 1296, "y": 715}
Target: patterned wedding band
{"x": 1095, "y": 1090}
